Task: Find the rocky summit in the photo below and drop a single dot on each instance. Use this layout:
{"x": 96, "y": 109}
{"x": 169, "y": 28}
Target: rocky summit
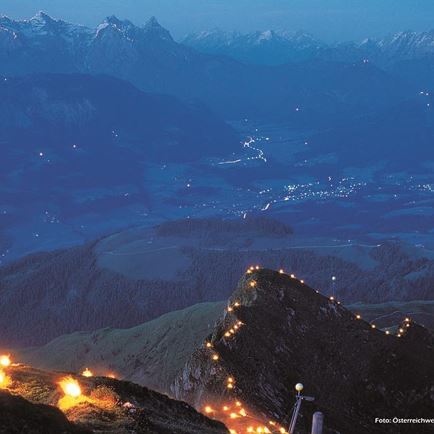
{"x": 277, "y": 331}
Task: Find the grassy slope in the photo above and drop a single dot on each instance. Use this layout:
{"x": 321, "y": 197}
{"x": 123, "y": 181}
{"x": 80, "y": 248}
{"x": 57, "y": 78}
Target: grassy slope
{"x": 150, "y": 354}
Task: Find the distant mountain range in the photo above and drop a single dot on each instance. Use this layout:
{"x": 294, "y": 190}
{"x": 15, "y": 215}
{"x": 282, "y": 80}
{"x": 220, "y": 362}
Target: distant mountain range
{"x": 278, "y": 47}
{"x": 407, "y": 55}
{"x": 268, "y": 47}
{"x": 147, "y": 56}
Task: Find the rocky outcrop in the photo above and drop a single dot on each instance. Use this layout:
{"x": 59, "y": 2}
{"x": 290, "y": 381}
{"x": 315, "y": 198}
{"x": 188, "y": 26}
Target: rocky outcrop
{"x": 277, "y": 331}
{"x": 18, "y": 415}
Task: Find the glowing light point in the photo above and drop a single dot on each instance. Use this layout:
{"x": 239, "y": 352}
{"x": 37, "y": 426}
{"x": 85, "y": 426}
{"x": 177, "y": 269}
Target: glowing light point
{"x": 299, "y": 387}
{"x": 208, "y": 409}
{"x": 4, "y": 380}
{"x": 387, "y": 332}
{"x": 5, "y": 361}
{"x": 292, "y": 276}
{"x": 373, "y": 326}
{"x": 252, "y": 283}
{"x": 87, "y": 373}
{"x": 215, "y": 357}
{"x": 281, "y": 271}
{"x": 70, "y": 387}
{"x": 358, "y": 316}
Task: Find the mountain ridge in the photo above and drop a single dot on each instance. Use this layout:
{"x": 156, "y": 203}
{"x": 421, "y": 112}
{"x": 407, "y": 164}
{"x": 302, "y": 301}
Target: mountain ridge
{"x": 149, "y": 58}
{"x": 277, "y": 331}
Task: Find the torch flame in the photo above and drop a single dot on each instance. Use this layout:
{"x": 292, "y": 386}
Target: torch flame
{"x": 4, "y": 380}
{"x": 5, "y": 361}
{"x": 70, "y": 387}
{"x": 87, "y": 373}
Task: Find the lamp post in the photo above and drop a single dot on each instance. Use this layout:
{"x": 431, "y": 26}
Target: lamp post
{"x": 298, "y": 399}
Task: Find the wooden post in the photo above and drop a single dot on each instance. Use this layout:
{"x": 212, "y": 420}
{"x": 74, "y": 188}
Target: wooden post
{"x": 317, "y": 423}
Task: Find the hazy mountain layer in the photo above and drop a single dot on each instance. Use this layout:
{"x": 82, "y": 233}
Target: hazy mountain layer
{"x": 278, "y": 47}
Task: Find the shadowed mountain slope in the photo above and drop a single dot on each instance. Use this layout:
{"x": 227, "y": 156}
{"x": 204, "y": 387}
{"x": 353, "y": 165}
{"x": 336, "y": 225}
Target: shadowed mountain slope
{"x": 151, "y": 354}
{"x": 106, "y": 118}
{"x": 287, "y": 333}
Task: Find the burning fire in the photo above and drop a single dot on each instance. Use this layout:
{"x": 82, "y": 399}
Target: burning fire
{"x": 87, "y": 373}
{"x": 239, "y": 420}
{"x": 5, "y": 361}
{"x": 4, "y": 380}
{"x": 73, "y": 394}
{"x": 70, "y": 387}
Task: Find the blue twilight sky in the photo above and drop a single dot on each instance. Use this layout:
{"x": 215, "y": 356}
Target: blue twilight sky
{"x": 328, "y": 19}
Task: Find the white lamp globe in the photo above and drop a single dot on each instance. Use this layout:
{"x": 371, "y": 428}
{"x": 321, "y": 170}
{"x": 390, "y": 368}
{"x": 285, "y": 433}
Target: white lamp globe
{"x": 299, "y": 387}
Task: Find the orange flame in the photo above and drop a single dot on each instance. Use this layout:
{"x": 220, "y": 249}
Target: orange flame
{"x": 239, "y": 420}
{"x": 4, "y": 380}
{"x": 5, "y": 361}
{"x": 87, "y": 373}
{"x": 70, "y": 387}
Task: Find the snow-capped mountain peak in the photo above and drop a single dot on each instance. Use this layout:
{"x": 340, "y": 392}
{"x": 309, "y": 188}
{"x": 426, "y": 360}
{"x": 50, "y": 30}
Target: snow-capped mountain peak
{"x": 42, "y": 18}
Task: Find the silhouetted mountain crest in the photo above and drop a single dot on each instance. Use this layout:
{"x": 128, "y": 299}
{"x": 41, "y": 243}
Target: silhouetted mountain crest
{"x": 278, "y": 331}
